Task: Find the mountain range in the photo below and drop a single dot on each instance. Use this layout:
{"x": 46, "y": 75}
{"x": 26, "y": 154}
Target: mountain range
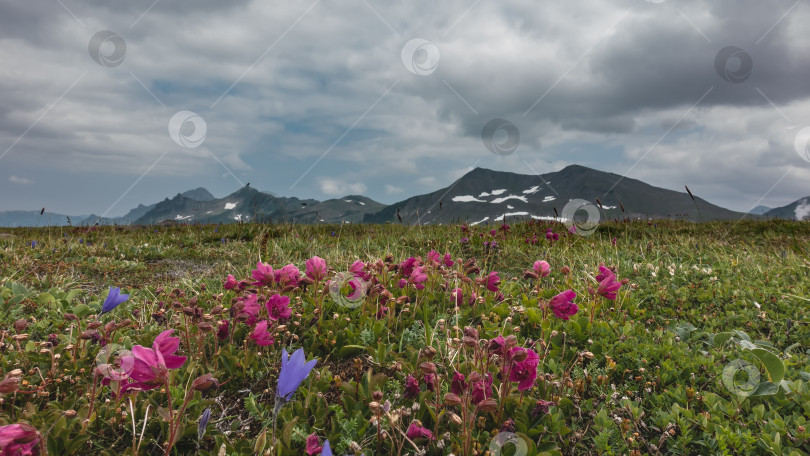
{"x": 480, "y": 196}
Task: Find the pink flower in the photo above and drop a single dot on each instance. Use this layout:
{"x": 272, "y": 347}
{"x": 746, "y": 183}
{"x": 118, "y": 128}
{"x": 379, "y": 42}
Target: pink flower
{"x": 150, "y": 365}
{"x": 572, "y": 229}
{"x": 613, "y": 241}
{"x": 407, "y": 266}
{"x": 562, "y": 304}
{"x": 278, "y": 307}
{"x": 458, "y": 385}
{"x": 493, "y": 281}
{"x": 263, "y": 274}
{"x": 524, "y": 372}
{"x": 433, "y": 258}
{"x": 19, "y": 440}
{"x": 252, "y": 306}
{"x": 418, "y": 432}
{"x": 542, "y": 268}
{"x": 260, "y": 334}
{"x": 358, "y": 270}
{"x": 430, "y": 382}
{"x": 223, "y": 329}
{"x": 418, "y": 278}
{"x": 411, "y": 387}
{"x": 230, "y": 282}
{"x": 609, "y": 287}
{"x": 457, "y": 297}
{"x": 448, "y": 260}
{"x": 316, "y": 268}
{"x": 603, "y": 273}
{"x": 402, "y": 283}
{"x": 482, "y": 389}
{"x": 288, "y": 275}
{"x": 313, "y": 445}
{"x": 496, "y": 345}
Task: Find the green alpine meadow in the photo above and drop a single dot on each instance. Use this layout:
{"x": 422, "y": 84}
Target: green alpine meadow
{"x": 655, "y": 337}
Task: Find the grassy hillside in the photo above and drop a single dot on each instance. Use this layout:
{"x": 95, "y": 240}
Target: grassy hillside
{"x": 703, "y": 350}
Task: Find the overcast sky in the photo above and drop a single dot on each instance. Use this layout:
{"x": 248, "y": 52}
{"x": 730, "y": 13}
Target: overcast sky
{"x": 104, "y": 105}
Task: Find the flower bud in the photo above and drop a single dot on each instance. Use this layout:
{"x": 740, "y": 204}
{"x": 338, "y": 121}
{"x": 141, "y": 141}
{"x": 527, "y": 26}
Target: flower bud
{"x": 205, "y": 382}
{"x": 377, "y": 395}
{"x": 455, "y": 419}
{"x": 9, "y": 385}
{"x": 452, "y": 399}
{"x": 488, "y": 405}
{"x": 205, "y": 327}
{"x": 69, "y": 316}
{"x": 20, "y": 325}
{"x": 375, "y": 407}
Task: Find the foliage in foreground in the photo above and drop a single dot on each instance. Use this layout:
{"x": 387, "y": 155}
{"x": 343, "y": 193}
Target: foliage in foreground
{"x": 690, "y": 339}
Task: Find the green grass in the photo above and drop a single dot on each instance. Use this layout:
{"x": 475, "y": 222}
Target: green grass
{"x": 643, "y": 374}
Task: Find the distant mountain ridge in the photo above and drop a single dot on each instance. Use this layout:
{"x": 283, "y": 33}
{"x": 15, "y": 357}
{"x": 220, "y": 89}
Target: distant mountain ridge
{"x": 486, "y": 196}
{"x": 798, "y": 210}
{"x": 480, "y": 196}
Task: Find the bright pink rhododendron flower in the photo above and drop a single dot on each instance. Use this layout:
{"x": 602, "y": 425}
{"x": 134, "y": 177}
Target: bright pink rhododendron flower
{"x": 562, "y": 305}
{"x": 524, "y": 372}
{"x": 19, "y": 439}
{"x": 316, "y": 268}
{"x": 260, "y": 334}
{"x": 263, "y": 274}
{"x": 150, "y": 366}
{"x": 493, "y": 281}
{"x": 288, "y": 275}
{"x": 278, "y": 307}
{"x": 416, "y": 432}
{"x": 542, "y": 268}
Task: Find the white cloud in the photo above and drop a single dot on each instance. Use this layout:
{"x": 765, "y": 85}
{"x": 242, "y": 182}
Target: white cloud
{"x": 20, "y": 180}
{"x": 336, "y": 187}
{"x": 392, "y": 189}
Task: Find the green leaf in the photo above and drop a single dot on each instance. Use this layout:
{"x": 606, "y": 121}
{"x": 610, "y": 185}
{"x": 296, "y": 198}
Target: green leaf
{"x": 773, "y": 365}
{"x": 45, "y": 298}
{"x": 18, "y": 289}
{"x": 720, "y": 339}
{"x": 350, "y": 350}
{"x": 81, "y": 310}
{"x": 766, "y": 389}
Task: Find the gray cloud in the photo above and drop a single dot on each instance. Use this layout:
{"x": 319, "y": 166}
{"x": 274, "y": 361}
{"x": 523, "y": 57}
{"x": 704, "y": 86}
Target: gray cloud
{"x": 612, "y": 85}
